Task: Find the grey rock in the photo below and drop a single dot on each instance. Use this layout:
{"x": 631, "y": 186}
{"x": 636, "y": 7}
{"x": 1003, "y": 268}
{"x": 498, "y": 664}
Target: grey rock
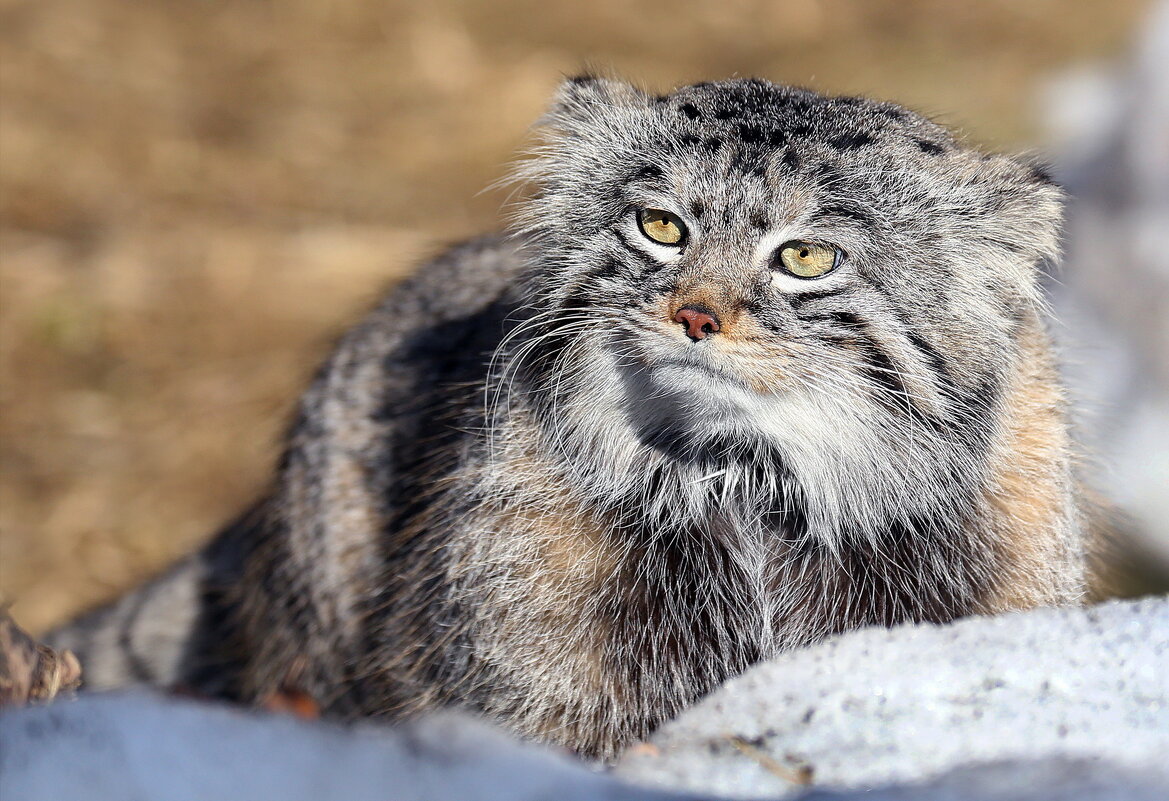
{"x": 136, "y": 745}
{"x": 1047, "y": 780}
{"x": 881, "y": 708}
{"x": 1068, "y": 704}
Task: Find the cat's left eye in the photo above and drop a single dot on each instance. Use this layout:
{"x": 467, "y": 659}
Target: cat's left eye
{"x": 807, "y": 259}
{"x": 661, "y": 226}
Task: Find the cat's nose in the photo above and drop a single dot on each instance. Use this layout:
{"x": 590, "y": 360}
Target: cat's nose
{"x": 699, "y": 322}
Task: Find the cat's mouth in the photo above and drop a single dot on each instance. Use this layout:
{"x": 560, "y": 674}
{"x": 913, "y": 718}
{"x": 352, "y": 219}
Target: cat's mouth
{"x": 694, "y": 368}
{"x": 670, "y": 370}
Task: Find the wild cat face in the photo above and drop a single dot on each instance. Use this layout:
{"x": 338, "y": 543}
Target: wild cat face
{"x": 760, "y": 263}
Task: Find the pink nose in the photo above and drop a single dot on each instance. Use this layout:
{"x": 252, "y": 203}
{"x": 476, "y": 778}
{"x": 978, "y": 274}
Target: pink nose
{"x": 699, "y": 323}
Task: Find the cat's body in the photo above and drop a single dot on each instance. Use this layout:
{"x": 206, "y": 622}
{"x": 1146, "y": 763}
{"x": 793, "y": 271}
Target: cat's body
{"x": 576, "y": 477}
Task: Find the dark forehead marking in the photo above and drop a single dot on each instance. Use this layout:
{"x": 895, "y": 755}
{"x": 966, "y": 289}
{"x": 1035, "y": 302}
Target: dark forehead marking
{"x": 849, "y": 211}
{"x": 932, "y": 148}
{"x": 851, "y": 141}
{"x": 698, "y": 208}
{"x": 759, "y": 125}
{"x": 758, "y": 112}
{"x": 751, "y": 134}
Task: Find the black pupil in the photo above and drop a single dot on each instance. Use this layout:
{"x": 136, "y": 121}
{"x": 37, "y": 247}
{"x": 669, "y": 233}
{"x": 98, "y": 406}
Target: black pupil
{"x": 804, "y": 252}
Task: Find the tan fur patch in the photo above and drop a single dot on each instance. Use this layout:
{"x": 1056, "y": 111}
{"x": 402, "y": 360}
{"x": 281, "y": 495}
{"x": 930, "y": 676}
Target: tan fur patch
{"x": 1032, "y": 517}
{"x": 549, "y": 562}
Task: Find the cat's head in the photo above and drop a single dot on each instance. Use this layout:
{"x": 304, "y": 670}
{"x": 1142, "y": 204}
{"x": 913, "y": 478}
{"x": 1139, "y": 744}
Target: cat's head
{"x": 741, "y": 262}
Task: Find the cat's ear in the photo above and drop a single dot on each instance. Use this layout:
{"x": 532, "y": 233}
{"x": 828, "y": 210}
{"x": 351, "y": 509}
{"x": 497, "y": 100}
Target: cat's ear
{"x": 1013, "y": 205}
{"x": 585, "y": 100}
{"x": 1034, "y": 203}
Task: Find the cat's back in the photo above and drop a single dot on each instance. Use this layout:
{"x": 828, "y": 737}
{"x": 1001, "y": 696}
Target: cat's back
{"x": 450, "y": 292}
{"x": 398, "y": 371}
{"x": 286, "y": 582}
{"x": 383, "y": 419}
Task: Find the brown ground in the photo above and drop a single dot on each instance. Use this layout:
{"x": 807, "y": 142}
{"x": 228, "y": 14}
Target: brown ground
{"x": 196, "y": 196}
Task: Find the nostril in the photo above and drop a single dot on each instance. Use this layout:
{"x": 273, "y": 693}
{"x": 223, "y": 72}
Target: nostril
{"x": 699, "y": 322}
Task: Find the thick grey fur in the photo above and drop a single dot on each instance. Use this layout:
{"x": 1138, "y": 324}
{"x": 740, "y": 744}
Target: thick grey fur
{"x": 518, "y": 487}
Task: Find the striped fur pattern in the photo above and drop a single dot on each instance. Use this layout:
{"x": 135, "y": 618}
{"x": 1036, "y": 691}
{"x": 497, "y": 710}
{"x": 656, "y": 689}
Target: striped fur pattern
{"x": 519, "y": 487}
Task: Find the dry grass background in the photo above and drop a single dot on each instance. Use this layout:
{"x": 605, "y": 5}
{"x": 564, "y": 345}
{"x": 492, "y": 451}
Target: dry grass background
{"x": 195, "y": 197}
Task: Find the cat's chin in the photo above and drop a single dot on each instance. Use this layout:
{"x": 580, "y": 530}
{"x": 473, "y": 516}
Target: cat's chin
{"x": 700, "y": 373}
{"x": 700, "y": 389}
{"x": 692, "y": 391}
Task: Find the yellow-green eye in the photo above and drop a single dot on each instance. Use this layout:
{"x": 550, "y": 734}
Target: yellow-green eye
{"x": 661, "y": 226}
{"x": 806, "y": 260}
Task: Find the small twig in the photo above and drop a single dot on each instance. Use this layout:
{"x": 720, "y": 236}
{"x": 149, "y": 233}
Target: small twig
{"x": 801, "y": 775}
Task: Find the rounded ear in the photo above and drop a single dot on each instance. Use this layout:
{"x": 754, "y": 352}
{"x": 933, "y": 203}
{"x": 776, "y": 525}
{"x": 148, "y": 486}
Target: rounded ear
{"x": 1035, "y": 204}
{"x": 1012, "y": 204}
{"x": 587, "y": 99}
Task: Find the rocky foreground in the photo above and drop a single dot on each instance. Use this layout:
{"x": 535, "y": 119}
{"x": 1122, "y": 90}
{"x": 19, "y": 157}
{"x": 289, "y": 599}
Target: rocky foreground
{"x": 1051, "y": 704}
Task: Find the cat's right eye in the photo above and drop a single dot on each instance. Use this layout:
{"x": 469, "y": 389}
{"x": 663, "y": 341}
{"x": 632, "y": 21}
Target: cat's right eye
{"x": 661, "y": 226}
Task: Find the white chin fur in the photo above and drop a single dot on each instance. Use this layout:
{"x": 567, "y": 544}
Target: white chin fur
{"x": 833, "y": 447}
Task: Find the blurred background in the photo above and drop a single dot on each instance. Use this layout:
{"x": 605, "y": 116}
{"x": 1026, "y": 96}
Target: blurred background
{"x": 196, "y": 196}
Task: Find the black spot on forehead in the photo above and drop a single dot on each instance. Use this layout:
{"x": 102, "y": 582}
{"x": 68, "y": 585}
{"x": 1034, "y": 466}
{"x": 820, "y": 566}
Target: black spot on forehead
{"x": 751, "y": 134}
{"x": 850, "y": 141}
{"x": 929, "y": 148}
{"x": 849, "y": 211}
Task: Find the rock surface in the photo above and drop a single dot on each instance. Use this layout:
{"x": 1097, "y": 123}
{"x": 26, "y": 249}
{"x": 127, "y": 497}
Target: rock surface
{"x": 881, "y": 708}
{"x": 139, "y": 746}
{"x": 1066, "y": 704}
